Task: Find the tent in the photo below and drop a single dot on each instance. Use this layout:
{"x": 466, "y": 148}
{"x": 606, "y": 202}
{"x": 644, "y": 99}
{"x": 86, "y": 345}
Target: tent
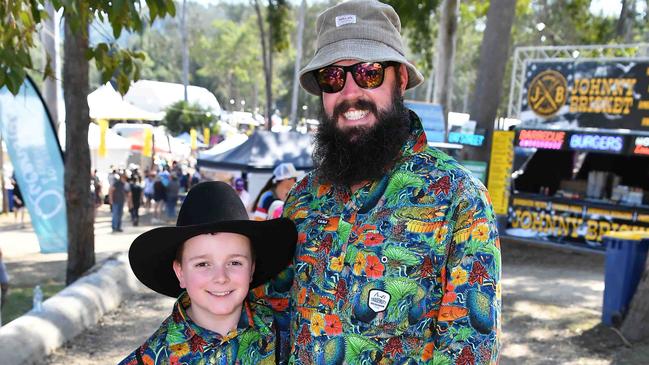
{"x": 262, "y": 151}
{"x": 156, "y": 96}
{"x": 106, "y": 103}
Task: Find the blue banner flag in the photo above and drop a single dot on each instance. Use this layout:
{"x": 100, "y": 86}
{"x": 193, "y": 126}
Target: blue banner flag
{"x": 37, "y": 159}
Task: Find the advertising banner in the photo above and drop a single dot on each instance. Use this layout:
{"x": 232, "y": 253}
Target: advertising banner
{"x": 502, "y": 156}
{"x": 586, "y": 94}
{"x": 37, "y": 159}
{"x": 570, "y": 222}
{"x": 432, "y": 119}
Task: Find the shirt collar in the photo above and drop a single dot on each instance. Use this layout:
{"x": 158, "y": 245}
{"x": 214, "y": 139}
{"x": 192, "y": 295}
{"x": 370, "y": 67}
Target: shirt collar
{"x": 182, "y": 328}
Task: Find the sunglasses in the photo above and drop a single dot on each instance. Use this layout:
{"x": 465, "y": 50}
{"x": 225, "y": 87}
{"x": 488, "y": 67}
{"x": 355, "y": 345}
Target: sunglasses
{"x": 367, "y": 75}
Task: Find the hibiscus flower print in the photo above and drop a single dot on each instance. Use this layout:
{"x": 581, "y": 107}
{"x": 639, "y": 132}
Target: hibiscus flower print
{"x": 359, "y": 263}
{"x": 481, "y": 233}
{"x": 180, "y": 349}
{"x": 458, "y": 276}
{"x": 317, "y": 324}
{"x": 336, "y": 263}
{"x": 373, "y": 239}
{"x": 374, "y": 268}
{"x": 332, "y": 325}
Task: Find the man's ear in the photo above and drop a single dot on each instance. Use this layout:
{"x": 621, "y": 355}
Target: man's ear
{"x": 403, "y": 75}
{"x": 178, "y": 269}
{"x": 252, "y": 271}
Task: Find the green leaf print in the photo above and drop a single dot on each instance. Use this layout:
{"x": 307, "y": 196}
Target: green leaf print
{"x": 175, "y": 333}
{"x": 245, "y": 340}
{"x": 473, "y": 246}
{"x": 350, "y": 256}
{"x": 344, "y": 229}
{"x": 399, "y": 288}
{"x": 401, "y": 256}
{"x": 399, "y": 182}
{"x": 463, "y": 334}
{"x": 440, "y": 359}
{"x": 356, "y": 345}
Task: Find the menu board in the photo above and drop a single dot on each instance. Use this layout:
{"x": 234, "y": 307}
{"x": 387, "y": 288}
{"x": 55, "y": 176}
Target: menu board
{"x": 500, "y": 166}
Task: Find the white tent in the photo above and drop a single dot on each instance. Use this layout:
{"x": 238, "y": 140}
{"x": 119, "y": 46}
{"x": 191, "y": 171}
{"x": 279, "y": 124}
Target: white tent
{"x": 118, "y": 149}
{"x": 106, "y": 103}
{"x": 164, "y": 143}
{"x": 156, "y": 96}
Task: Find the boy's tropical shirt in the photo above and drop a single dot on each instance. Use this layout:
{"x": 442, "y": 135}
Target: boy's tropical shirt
{"x": 181, "y": 341}
{"x": 406, "y": 270}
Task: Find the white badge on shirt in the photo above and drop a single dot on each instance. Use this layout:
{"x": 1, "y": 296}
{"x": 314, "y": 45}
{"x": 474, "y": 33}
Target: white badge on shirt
{"x": 378, "y": 300}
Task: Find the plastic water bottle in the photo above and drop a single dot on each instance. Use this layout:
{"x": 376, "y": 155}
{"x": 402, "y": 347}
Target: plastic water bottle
{"x": 38, "y": 299}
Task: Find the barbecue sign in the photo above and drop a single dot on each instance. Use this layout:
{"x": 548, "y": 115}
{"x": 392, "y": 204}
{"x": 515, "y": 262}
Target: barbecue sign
{"x": 586, "y": 94}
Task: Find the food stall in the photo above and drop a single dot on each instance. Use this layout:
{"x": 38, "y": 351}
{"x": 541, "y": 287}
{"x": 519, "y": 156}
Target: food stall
{"x": 581, "y": 152}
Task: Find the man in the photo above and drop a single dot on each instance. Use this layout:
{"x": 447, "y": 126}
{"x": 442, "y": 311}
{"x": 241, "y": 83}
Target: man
{"x": 118, "y": 194}
{"x": 398, "y": 259}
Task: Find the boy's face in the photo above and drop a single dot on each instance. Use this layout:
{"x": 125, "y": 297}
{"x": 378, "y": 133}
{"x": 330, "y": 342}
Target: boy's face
{"x": 216, "y": 269}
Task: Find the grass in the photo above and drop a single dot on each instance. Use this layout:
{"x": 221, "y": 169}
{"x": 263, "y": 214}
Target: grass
{"x": 19, "y": 300}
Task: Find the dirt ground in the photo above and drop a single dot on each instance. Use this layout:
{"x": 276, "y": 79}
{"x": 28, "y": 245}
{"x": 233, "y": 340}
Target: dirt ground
{"x": 551, "y": 312}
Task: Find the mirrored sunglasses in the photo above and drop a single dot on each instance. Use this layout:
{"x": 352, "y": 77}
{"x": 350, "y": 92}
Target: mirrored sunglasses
{"x": 367, "y": 75}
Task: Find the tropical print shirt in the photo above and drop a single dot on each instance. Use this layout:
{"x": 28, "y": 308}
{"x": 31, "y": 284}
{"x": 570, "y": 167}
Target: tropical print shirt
{"x": 405, "y": 270}
{"x": 181, "y": 341}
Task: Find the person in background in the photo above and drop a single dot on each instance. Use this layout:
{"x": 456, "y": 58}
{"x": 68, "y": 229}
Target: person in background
{"x": 398, "y": 260}
{"x": 196, "y": 177}
{"x": 118, "y": 194}
{"x": 19, "y": 203}
{"x": 149, "y": 180}
{"x": 160, "y": 198}
{"x": 173, "y": 190}
{"x": 274, "y": 193}
{"x": 136, "y": 199}
{"x": 240, "y": 188}
{"x": 4, "y": 282}
{"x": 95, "y": 190}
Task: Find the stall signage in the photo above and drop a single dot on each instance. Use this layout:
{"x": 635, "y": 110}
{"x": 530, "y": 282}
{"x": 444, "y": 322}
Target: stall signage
{"x": 641, "y": 146}
{"x": 596, "y": 142}
{"x": 586, "y": 94}
{"x": 467, "y": 139}
{"x": 565, "y": 222}
{"x": 551, "y": 140}
{"x": 500, "y": 168}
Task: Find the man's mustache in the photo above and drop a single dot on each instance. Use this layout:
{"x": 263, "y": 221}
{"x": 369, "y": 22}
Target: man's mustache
{"x": 359, "y": 104}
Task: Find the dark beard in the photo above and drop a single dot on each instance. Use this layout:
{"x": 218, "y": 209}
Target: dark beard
{"x": 350, "y": 156}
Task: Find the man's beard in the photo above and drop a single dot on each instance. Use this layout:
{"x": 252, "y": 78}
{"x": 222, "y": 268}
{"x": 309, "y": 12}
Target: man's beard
{"x": 355, "y": 154}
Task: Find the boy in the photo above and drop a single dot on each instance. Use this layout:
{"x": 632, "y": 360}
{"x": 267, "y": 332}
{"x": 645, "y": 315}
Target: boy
{"x": 209, "y": 261}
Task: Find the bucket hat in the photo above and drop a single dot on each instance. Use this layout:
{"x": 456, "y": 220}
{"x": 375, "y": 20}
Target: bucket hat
{"x": 211, "y": 207}
{"x": 364, "y": 30}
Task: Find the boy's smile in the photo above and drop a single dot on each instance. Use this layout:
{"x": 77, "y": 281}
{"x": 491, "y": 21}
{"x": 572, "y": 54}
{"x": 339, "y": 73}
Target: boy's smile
{"x": 216, "y": 269}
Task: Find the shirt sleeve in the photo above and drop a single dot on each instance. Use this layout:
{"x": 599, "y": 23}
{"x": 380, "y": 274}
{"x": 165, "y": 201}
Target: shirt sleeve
{"x": 469, "y": 316}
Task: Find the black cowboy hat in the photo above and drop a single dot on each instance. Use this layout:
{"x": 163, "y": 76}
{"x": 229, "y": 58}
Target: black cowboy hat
{"x": 208, "y": 208}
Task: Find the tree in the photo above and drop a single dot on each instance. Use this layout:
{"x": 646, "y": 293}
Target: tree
{"x": 446, "y": 40}
{"x": 494, "y": 53}
{"x": 17, "y": 37}
{"x": 273, "y": 39}
{"x": 182, "y": 116}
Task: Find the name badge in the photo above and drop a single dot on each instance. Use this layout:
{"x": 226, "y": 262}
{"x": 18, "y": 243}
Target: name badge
{"x": 378, "y": 300}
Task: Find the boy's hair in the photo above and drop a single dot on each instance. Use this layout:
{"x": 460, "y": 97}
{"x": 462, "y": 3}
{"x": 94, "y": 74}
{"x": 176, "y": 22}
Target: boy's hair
{"x": 179, "y": 251}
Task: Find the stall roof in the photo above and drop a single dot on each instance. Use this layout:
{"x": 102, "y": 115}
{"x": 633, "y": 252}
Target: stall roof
{"x": 106, "y": 103}
{"x": 262, "y": 152}
{"x": 156, "y": 96}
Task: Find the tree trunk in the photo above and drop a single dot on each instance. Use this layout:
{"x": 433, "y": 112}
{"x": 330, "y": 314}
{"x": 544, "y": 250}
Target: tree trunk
{"x": 624, "y": 26}
{"x": 446, "y": 39}
{"x": 81, "y": 236}
{"x": 636, "y": 323}
{"x": 267, "y": 60}
{"x": 298, "y": 63}
{"x": 494, "y": 52}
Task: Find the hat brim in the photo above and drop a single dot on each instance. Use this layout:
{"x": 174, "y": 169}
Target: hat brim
{"x": 152, "y": 253}
{"x": 355, "y": 49}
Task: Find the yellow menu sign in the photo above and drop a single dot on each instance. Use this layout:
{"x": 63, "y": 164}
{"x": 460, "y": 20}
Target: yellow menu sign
{"x": 500, "y": 166}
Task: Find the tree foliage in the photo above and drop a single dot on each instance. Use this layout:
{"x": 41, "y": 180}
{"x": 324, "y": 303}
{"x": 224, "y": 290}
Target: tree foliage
{"x": 182, "y": 116}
